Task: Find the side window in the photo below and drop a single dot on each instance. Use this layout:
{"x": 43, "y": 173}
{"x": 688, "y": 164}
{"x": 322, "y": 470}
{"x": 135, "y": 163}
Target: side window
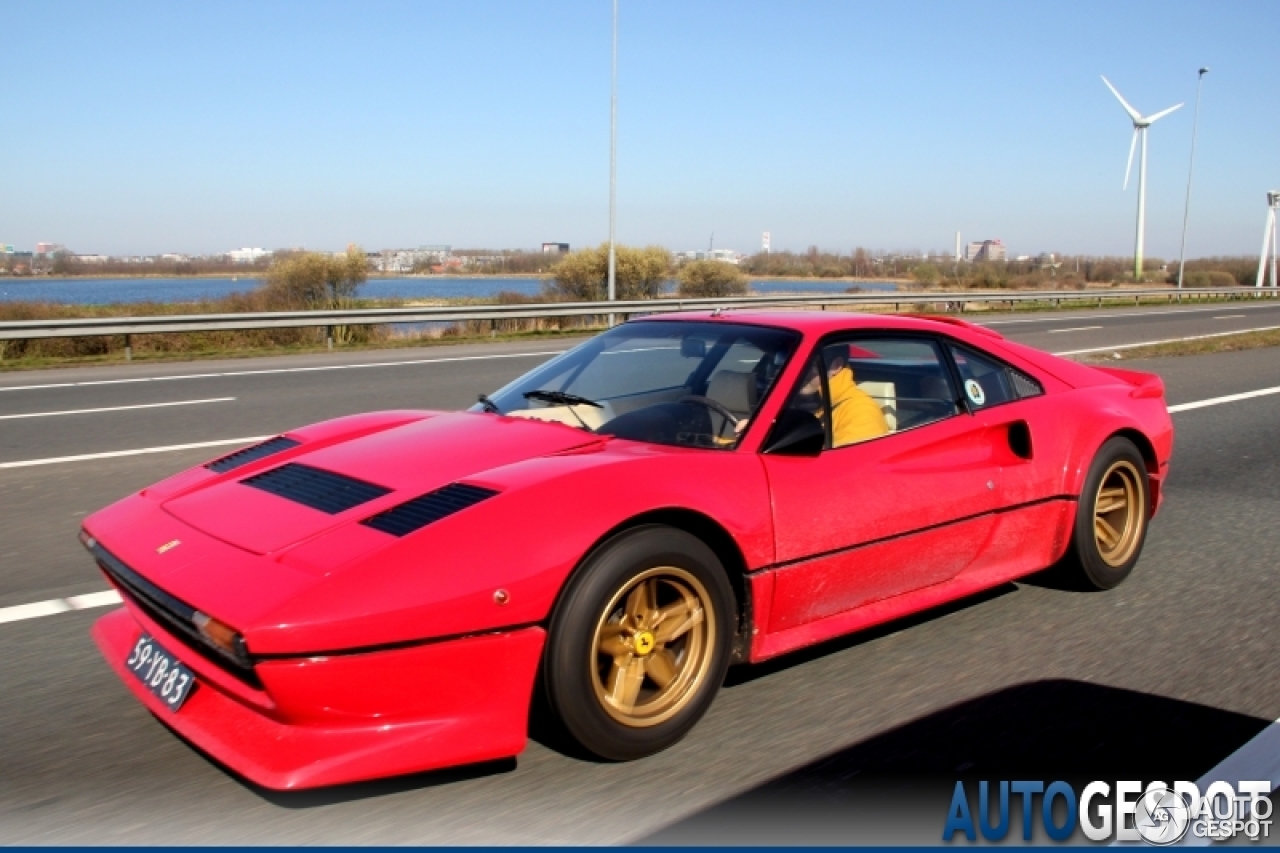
{"x": 865, "y": 388}
{"x": 881, "y": 385}
{"x": 988, "y": 382}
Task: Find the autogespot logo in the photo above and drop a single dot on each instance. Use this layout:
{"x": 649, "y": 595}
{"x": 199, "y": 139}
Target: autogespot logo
{"x": 1158, "y": 814}
{"x": 1162, "y": 816}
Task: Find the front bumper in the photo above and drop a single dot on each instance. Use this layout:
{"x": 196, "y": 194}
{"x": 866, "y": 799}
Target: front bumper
{"x": 349, "y": 717}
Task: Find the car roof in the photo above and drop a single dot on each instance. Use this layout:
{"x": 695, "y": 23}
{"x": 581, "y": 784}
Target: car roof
{"x": 814, "y": 323}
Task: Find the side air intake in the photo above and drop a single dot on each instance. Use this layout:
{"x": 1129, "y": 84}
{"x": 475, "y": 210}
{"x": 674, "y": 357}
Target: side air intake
{"x": 418, "y": 513}
{"x": 313, "y": 487}
{"x": 270, "y": 447}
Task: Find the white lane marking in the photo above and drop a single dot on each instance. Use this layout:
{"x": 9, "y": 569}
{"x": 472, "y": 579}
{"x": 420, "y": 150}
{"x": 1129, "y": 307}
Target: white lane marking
{"x": 230, "y": 373}
{"x": 1140, "y": 313}
{"x": 271, "y": 371}
{"x": 117, "y": 408}
{"x": 1230, "y": 398}
{"x": 85, "y": 457}
{"x": 1270, "y": 738}
{"x": 112, "y": 454}
{"x": 1229, "y": 317}
{"x": 58, "y": 605}
{"x": 1076, "y": 329}
{"x": 1165, "y": 341}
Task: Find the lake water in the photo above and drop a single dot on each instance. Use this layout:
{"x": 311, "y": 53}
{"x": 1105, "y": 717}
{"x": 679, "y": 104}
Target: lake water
{"x": 104, "y": 291}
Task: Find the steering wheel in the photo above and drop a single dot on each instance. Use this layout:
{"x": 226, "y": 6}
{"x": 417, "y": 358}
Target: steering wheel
{"x": 719, "y": 409}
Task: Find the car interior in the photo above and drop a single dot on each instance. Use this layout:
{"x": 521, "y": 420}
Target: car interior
{"x": 690, "y": 388}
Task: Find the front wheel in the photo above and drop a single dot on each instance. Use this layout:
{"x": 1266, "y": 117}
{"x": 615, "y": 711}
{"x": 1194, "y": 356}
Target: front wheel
{"x": 639, "y": 643}
{"x": 1112, "y": 515}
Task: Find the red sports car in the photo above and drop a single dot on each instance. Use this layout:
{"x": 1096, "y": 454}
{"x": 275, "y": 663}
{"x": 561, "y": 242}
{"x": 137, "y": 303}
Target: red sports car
{"x": 381, "y": 594}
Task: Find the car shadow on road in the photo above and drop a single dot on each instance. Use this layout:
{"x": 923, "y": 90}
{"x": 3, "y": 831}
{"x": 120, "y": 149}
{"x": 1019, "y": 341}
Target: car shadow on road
{"x": 381, "y": 787}
{"x": 316, "y": 797}
{"x": 746, "y": 673}
{"x": 546, "y": 730}
{"x": 896, "y": 787}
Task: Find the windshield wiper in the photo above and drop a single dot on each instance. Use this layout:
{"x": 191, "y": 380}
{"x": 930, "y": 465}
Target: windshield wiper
{"x": 489, "y": 405}
{"x": 561, "y": 398}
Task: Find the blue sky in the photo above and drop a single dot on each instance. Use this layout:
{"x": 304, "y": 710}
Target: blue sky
{"x": 149, "y": 127}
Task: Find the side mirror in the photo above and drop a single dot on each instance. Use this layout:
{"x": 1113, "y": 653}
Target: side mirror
{"x": 796, "y": 433}
{"x": 693, "y": 348}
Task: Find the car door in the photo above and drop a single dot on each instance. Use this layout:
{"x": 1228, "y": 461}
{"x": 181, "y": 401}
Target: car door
{"x": 887, "y": 513}
{"x": 1032, "y": 517}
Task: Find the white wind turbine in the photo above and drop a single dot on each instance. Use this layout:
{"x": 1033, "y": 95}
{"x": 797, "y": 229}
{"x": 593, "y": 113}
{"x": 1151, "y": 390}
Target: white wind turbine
{"x": 1140, "y": 125}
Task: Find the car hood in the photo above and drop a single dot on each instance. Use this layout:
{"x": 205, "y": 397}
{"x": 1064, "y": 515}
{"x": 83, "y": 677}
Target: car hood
{"x": 402, "y": 463}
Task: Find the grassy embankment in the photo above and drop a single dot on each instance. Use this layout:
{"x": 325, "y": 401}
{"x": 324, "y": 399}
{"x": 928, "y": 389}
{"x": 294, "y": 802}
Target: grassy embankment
{"x": 1219, "y": 342}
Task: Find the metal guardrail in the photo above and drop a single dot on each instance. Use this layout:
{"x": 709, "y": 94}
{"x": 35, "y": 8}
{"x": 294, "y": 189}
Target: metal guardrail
{"x": 72, "y": 328}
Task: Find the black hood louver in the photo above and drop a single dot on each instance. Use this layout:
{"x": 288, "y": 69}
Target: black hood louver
{"x": 270, "y": 447}
{"x": 316, "y": 488}
{"x": 418, "y": 513}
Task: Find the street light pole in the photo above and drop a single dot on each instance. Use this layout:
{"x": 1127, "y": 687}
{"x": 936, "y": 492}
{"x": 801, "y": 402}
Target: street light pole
{"x": 1186, "y": 210}
{"x": 613, "y": 165}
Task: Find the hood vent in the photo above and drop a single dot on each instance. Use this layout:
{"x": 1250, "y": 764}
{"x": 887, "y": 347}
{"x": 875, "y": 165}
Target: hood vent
{"x": 313, "y": 487}
{"x": 232, "y": 461}
{"x": 418, "y": 513}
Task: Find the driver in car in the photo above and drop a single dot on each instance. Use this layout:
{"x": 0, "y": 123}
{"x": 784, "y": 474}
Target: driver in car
{"x": 855, "y": 416}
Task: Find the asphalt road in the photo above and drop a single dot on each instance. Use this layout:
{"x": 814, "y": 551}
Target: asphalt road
{"x": 857, "y": 741}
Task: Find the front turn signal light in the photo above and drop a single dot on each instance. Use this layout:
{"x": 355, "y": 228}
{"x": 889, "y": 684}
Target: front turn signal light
{"x": 222, "y": 637}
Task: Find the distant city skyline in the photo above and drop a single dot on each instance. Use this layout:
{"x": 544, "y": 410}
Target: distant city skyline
{"x": 151, "y": 128}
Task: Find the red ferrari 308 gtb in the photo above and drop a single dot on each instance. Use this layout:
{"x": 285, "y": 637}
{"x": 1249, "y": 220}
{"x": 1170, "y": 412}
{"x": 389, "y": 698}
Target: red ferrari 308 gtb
{"x": 380, "y": 594}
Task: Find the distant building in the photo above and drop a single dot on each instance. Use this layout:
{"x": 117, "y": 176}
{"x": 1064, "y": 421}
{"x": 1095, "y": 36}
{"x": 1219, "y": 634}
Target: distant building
{"x": 91, "y": 259}
{"x": 555, "y": 248}
{"x": 987, "y": 250}
{"x": 764, "y": 242}
{"x": 407, "y": 260}
{"x": 46, "y": 248}
{"x": 247, "y": 256}
{"x": 725, "y": 256}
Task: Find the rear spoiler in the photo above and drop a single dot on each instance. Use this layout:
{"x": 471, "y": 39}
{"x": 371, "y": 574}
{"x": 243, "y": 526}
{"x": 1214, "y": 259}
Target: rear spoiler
{"x": 1144, "y": 384}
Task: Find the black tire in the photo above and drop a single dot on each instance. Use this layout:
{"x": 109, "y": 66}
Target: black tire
{"x": 1103, "y": 555}
{"x": 603, "y": 666}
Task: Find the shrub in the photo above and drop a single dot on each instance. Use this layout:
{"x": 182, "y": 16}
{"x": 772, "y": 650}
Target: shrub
{"x": 710, "y": 279}
{"x": 583, "y": 276}
{"x": 926, "y": 274}
{"x": 316, "y": 281}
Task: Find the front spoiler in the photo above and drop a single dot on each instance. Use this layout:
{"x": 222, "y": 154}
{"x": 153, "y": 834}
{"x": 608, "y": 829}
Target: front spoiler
{"x": 454, "y": 702}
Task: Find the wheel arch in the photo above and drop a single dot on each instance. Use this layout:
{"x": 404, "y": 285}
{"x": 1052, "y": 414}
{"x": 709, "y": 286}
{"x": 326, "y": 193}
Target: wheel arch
{"x": 1146, "y": 449}
{"x": 711, "y": 533}
{"x": 1140, "y": 440}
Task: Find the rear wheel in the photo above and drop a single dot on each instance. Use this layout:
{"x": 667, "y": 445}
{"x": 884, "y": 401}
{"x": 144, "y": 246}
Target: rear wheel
{"x": 1111, "y": 517}
{"x": 639, "y": 644}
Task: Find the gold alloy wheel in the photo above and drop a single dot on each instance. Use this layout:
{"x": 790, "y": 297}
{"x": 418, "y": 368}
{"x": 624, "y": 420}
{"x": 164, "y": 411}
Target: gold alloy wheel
{"x": 1119, "y": 513}
{"x": 654, "y": 643}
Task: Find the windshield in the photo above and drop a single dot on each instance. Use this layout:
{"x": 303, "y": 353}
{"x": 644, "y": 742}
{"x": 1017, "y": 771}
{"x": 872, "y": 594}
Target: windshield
{"x": 689, "y": 384}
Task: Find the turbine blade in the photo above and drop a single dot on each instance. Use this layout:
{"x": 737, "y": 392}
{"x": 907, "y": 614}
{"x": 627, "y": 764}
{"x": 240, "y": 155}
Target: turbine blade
{"x": 1161, "y": 114}
{"x": 1133, "y": 114}
{"x": 1129, "y": 167}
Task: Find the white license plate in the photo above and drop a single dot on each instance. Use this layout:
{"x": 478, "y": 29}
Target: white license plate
{"x": 162, "y": 673}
